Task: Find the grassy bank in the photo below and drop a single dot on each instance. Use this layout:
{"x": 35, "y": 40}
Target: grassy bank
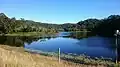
{"x": 29, "y": 33}
{"x": 17, "y": 57}
{"x": 82, "y": 59}
{"x": 35, "y": 33}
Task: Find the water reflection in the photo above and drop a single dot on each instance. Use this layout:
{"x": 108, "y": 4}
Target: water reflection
{"x": 19, "y": 40}
{"x": 78, "y": 42}
{"x": 80, "y": 35}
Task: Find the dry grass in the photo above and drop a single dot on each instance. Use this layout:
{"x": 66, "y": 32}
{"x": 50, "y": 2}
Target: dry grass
{"x": 16, "y": 57}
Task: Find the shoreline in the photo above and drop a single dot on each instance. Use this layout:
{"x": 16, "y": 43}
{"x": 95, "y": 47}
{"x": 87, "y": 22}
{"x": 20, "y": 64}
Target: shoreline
{"x": 28, "y": 34}
{"x": 35, "y": 33}
{"x": 82, "y": 60}
{"x": 17, "y": 57}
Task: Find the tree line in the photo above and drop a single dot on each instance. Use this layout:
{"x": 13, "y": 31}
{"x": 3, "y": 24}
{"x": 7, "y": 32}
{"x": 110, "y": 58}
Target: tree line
{"x": 105, "y": 26}
{"x": 10, "y": 25}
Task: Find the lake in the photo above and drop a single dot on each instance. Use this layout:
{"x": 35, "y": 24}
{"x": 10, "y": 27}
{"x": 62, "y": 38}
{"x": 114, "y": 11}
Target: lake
{"x": 69, "y": 42}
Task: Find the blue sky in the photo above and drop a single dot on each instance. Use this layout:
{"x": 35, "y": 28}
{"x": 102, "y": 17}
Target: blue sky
{"x": 59, "y": 11}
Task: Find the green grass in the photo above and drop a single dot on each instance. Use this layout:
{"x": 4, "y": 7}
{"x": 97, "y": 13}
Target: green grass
{"x": 29, "y": 34}
{"x": 34, "y": 33}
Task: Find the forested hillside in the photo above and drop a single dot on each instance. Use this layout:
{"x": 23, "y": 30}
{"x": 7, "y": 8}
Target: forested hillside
{"x": 10, "y": 25}
{"x": 105, "y": 26}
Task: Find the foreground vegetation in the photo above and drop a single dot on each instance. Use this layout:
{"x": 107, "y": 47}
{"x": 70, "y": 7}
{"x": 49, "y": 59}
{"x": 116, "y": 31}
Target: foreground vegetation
{"x": 82, "y": 59}
{"x": 16, "y": 57}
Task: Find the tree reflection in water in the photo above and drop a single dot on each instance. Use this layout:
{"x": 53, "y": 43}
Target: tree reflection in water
{"x": 19, "y": 40}
{"x": 80, "y": 35}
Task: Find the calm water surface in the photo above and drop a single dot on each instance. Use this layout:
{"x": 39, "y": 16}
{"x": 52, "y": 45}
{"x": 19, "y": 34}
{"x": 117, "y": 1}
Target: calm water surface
{"x": 77, "y": 43}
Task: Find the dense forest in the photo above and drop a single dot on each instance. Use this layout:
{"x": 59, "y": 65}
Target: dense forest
{"x": 105, "y": 26}
{"x": 10, "y": 25}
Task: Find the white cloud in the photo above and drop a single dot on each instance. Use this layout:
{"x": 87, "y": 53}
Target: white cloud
{"x": 70, "y": 22}
{"x": 47, "y": 21}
